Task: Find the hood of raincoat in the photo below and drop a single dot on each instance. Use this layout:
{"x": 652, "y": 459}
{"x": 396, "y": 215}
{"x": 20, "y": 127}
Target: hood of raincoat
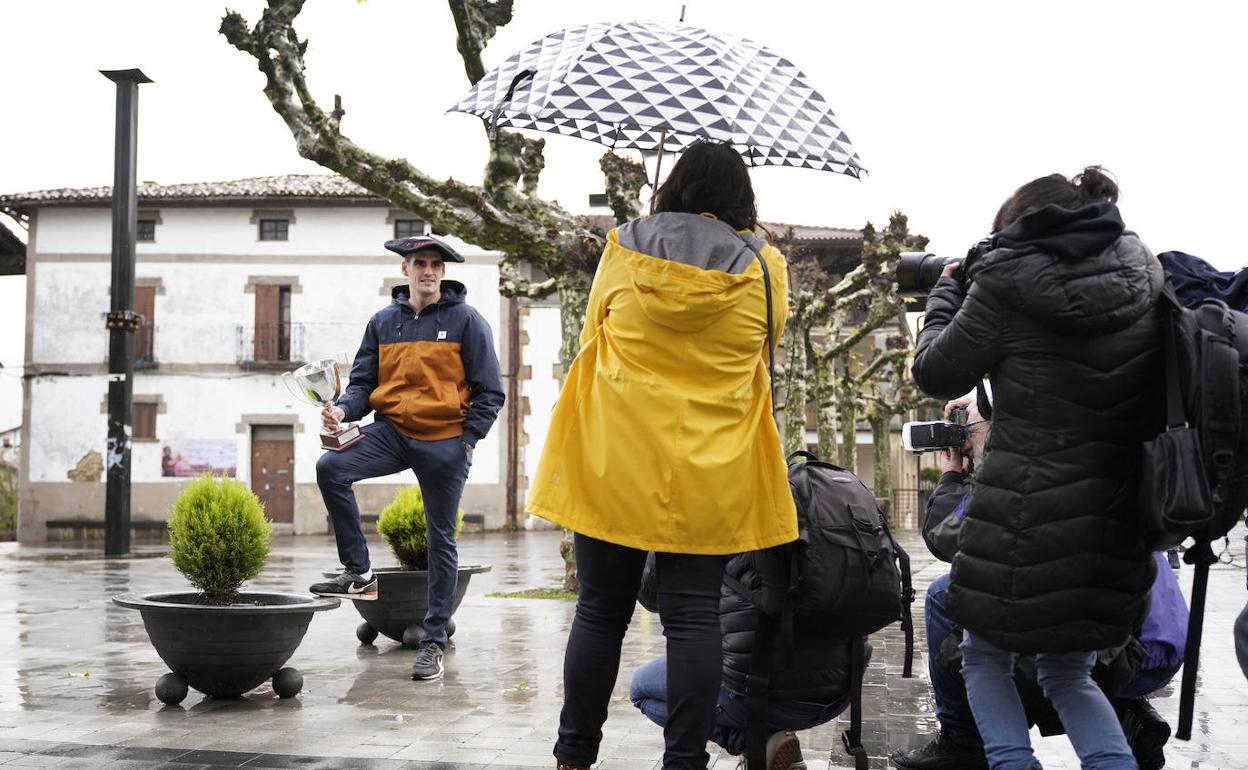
{"x": 687, "y": 270}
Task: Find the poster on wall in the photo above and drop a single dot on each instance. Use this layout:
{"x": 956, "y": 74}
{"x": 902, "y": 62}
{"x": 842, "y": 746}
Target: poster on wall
{"x": 196, "y": 456}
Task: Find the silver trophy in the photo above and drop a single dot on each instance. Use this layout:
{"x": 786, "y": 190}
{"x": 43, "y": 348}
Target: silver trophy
{"x": 319, "y": 383}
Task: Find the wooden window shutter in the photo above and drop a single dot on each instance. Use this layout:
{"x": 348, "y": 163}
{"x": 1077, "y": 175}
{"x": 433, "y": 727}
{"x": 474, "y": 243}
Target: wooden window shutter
{"x": 144, "y": 420}
{"x": 268, "y": 298}
{"x": 144, "y": 336}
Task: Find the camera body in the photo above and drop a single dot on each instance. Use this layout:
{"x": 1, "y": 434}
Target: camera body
{"x": 935, "y": 435}
{"x": 918, "y": 271}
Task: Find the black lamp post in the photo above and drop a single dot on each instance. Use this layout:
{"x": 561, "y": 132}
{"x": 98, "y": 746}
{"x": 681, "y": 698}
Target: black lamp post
{"x": 121, "y": 319}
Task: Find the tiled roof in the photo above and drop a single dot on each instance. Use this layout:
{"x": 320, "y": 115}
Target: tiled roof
{"x": 296, "y": 186}
{"x": 807, "y": 235}
{"x": 312, "y": 187}
{"x": 814, "y": 233}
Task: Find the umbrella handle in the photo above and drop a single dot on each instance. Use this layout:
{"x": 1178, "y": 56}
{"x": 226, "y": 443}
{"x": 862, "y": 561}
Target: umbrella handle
{"x": 511, "y": 90}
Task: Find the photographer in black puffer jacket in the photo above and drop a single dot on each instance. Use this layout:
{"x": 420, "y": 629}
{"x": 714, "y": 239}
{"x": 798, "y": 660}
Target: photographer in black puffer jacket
{"x": 1061, "y": 315}
{"x": 810, "y": 679}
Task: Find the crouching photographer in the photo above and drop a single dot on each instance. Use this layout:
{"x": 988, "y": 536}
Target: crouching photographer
{"x": 1060, "y": 313}
{"x": 1128, "y": 673}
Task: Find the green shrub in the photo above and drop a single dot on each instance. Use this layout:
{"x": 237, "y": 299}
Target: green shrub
{"x": 929, "y": 475}
{"x": 402, "y": 524}
{"x": 8, "y": 498}
{"x": 218, "y": 536}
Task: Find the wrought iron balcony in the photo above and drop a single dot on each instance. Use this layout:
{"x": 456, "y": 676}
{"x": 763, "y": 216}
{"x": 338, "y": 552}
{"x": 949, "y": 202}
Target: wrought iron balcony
{"x": 144, "y": 346}
{"x": 270, "y": 344}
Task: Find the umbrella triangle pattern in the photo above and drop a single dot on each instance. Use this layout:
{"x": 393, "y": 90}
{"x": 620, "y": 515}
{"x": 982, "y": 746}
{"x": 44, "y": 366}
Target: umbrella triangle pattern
{"x": 629, "y": 85}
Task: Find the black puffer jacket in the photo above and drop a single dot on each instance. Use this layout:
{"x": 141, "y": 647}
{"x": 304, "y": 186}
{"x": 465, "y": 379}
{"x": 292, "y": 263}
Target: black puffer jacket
{"x": 1061, "y": 315}
{"x": 816, "y": 669}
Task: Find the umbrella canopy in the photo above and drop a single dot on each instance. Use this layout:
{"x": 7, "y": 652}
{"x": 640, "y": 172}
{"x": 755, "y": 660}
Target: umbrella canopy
{"x": 650, "y": 85}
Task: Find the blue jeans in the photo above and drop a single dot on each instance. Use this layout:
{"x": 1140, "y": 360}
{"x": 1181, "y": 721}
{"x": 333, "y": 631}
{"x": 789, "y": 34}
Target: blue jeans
{"x": 441, "y": 468}
{"x": 648, "y": 692}
{"x": 1066, "y": 680}
{"x": 953, "y": 710}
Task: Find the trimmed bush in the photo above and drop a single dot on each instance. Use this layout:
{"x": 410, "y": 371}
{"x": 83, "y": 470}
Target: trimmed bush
{"x": 930, "y": 475}
{"x": 402, "y": 524}
{"x": 218, "y": 536}
{"x": 8, "y": 498}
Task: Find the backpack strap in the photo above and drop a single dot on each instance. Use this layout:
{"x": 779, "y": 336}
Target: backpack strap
{"x": 852, "y": 738}
{"x": 1219, "y": 405}
{"x": 1202, "y": 556}
{"x": 1176, "y": 416}
{"x": 907, "y": 619}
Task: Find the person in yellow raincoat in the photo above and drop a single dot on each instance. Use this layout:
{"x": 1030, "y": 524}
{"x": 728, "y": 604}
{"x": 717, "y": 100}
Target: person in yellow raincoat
{"x": 663, "y": 440}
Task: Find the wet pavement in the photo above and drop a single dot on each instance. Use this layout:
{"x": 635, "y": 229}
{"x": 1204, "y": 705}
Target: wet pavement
{"x": 76, "y": 676}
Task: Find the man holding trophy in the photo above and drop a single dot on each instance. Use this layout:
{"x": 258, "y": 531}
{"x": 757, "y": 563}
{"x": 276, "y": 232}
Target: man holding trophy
{"x": 427, "y": 367}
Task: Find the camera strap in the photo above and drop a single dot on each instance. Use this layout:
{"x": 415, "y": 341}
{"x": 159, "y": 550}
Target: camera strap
{"x": 982, "y": 401}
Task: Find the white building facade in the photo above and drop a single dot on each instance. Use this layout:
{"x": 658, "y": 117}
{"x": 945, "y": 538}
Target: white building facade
{"x": 238, "y": 282}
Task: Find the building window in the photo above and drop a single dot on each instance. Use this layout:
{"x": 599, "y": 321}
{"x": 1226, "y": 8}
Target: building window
{"x": 406, "y": 228}
{"x": 274, "y": 229}
{"x": 143, "y": 419}
{"x": 146, "y": 230}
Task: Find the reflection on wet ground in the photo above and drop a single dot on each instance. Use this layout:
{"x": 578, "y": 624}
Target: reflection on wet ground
{"x": 75, "y": 669}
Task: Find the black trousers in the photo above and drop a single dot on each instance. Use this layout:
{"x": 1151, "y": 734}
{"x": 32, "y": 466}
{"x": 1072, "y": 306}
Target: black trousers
{"x": 688, "y": 594}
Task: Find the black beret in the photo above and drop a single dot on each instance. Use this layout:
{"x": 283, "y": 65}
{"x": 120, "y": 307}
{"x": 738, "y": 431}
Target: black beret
{"x": 405, "y": 246}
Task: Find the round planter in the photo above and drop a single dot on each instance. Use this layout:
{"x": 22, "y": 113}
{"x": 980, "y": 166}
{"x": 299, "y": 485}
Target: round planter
{"x": 402, "y": 600}
{"x": 225, "y": 651}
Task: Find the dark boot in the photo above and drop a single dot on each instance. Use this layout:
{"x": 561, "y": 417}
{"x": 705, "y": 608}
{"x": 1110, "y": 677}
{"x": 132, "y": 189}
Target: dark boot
{"x": 941, "y": 753}
{"x": 1146, "y": 732}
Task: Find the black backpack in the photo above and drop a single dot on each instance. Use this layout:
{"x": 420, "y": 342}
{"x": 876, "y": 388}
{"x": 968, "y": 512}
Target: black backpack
{"x": 843, "y": 573}
{"x": 1194, "y": 479}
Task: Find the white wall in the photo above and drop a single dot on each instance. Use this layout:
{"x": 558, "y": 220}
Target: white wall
{"x": 542, "y": 389}
{"x": 196, "y": 317}
{"x": 67, "y": 422}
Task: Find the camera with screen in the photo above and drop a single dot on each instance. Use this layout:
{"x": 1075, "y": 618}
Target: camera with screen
{"x": 935, "y": 435}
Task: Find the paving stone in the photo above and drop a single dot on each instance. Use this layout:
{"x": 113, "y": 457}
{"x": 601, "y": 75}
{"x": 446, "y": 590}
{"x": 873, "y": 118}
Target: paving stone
{"x": 79, "y": 673}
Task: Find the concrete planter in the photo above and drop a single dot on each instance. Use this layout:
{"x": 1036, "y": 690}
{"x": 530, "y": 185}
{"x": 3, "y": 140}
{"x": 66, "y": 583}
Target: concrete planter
{"x": 225, "y": 651}
{"x": 401, "y": 603}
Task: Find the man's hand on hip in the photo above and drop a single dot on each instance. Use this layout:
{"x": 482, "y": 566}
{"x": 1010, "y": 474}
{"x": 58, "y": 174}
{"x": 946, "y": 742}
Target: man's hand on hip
{"x": 331, "y": 418}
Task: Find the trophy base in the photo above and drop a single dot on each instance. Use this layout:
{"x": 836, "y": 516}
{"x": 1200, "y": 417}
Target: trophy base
{"x": 339, "y": 440}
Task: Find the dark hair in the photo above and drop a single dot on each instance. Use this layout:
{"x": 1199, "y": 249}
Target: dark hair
{"x": 710, "y": 177}
{"x": 1094, "y": 185}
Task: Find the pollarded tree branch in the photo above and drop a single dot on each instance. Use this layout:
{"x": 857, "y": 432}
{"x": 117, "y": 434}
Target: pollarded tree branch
{"x": 625, "y": 178}
{"x": 476, "y": 21}
{"x": 519, "y": 225}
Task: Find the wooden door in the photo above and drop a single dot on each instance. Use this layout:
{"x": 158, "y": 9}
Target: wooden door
{"x": 273, "y": 470}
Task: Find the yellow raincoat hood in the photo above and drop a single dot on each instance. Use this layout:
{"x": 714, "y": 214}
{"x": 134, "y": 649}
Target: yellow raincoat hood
{"x": 662, "y": 438}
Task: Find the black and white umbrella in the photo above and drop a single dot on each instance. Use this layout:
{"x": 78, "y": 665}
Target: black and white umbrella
{"x": 651, "y": 86}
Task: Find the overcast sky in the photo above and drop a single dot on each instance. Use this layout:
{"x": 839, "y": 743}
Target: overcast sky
{"x": 950, "y": 105}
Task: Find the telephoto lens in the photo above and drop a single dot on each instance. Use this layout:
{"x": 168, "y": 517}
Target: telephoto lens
{"x": 918, "y": 272}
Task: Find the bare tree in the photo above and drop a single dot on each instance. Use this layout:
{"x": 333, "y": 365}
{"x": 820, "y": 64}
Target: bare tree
{"x": 503, "y": 213}
{"x": 874, "y": 384}
{"x": 825, "y": 364}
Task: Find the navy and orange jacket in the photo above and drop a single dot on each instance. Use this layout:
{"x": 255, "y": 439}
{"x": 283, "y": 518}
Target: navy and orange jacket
{"x": 432, "y": 376}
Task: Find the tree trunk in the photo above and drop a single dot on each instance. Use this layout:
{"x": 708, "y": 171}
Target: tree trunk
{"x": 573, "y": 298}
{"x": 883, "y": 450}
{"x": 847, "y": 419}
{"x": 795, "y": 391}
